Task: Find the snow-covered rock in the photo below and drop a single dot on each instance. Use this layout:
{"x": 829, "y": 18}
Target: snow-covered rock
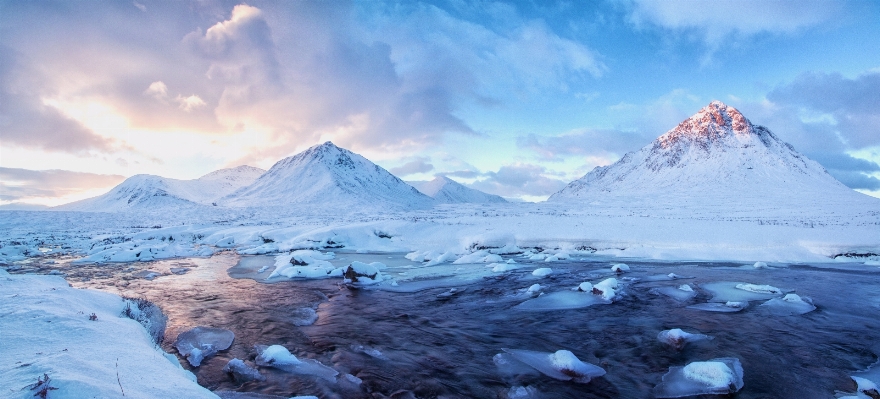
{"x": 448, "y": 191}
{"x": 677, "y": 338}
{"x": 561, "y": 365}
{"x": 716, "y": 376}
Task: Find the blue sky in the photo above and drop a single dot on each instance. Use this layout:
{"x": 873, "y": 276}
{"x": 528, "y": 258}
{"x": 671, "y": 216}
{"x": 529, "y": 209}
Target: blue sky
{"x": 514, "y": 98}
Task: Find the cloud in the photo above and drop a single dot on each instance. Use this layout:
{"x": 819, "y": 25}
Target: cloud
{"x": 30, "y": 185}
{"x": 519, "y": 180}
{"x": 718, "y": 20}
{"x": 420, "y": 165}
{"x": 852, "y": 104}
{"x": 26, "y": 121}
{"x": 603, "y": 143}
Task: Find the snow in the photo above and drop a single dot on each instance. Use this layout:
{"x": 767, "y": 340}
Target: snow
{"x": 448, "y": 191}
{"x": 542, "y": 272}
{"x": 199, "y": 343}
{"x": 716, "y": 376}
{"x": 561, "y": 365}
{"x": 277, "y": 356}
{"x": 46, "y": 329}
{"x": 677, "y": 338}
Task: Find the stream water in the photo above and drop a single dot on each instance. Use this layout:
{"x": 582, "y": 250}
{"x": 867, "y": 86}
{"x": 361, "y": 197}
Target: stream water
{"x": 428, "y": 344}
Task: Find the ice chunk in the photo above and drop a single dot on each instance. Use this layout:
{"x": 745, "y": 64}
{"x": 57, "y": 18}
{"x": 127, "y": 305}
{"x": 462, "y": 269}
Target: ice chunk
{"x": 681, "y": 293}
{"x": 676, "y": 338}
{"x": 201, "y": 342}
{"x": 508, "y": 365}
{"x": 791, "y": 304}
{"x": 369, "y": 351}
{"x": 277, "y": 356}
{"x": 716, "y": 376}
{"x": 362, "y": 273}
{"x": 760, "y": 265}
{"x": 606, "y": 288}
{"x": 519, "y": 392}
{"x": 535, "y": 288}
{"x": 727, "y": 307}
{"x": 620, "y": 268}
{"x": 241, "y": 372}
{"x": 304, "y": 316}
{"x": 561, "y": 365}
{"x": 562, "y": 300}
{"x": 759, "y": 289}
{"x": 542, "y": 272}
{"x": 740, "y": 292}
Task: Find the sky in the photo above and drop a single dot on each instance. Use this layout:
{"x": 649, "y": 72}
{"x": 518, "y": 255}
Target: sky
{"x": 512, "y": 98}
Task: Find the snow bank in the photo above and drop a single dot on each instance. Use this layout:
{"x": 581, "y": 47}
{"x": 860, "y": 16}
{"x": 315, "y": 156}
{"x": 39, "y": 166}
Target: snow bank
{"x": 47, "y": 330}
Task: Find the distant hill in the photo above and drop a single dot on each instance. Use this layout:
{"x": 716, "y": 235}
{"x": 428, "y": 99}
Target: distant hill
{"x": 448, "y": 191}
{"x": 328, "y": 177}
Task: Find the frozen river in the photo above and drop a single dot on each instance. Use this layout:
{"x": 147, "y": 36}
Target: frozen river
{"x": 434, "y": 342}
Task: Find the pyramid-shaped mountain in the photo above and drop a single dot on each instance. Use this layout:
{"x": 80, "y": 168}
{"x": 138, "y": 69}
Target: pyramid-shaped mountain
{"x": 328, "y": 177}
{"x": 448, "y": 191}
{"x": 716, "y": 155}
{"x": 154, "y": 192}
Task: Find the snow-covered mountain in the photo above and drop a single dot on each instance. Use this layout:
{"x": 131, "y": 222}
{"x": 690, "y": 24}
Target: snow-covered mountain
{"x": 716, "y": 155}
{"x": 448, "y": 191}
{"x": 328, "y": 177}
{"x": 154, "y": 192}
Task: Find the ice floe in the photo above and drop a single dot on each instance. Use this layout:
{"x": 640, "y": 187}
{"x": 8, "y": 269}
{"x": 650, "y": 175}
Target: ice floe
{"x": 791, "y": 304}
{"x": 677, "y": 338}
{"x": 277, "y": 356}
{"x": 241, "y": 372}
{"x": 714, "y": 377}
{"x": 682, "y": 293}
{"x": 561, "y": 365}
{"x": 726, "y": 307}
{"x": 724, "y": 291}
{"x": 199, "y": 343}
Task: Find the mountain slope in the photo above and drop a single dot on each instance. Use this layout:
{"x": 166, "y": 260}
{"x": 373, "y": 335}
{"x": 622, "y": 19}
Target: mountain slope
{"x": 715, "y": 155}
{"x": 448, "y": 191}
{"x": 157, "y": 192}
{"x": 329, "y": 177}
